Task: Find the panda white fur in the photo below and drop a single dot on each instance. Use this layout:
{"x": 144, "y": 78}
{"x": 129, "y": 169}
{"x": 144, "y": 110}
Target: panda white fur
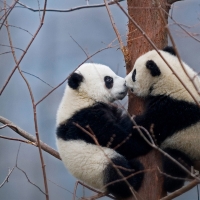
{"x": 171, "y": 114}
{"x": 86, "y": 101}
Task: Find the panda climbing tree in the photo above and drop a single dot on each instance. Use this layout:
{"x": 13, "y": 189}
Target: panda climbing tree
{"x": 87, "y": 103}
{"x": 153, "y": 21}
{"x": 171, "y": 115}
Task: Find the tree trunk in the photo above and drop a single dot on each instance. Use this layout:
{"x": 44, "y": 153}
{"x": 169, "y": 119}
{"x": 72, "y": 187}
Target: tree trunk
{"x": 146, "y": 14}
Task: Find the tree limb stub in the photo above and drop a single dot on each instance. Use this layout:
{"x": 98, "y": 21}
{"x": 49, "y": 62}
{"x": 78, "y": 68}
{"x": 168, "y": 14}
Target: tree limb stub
{"x": 172, "y": 1}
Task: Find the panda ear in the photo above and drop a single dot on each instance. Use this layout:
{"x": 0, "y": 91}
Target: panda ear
{"x": 170, "y": 50}
{"x": 75, "y": 80}
{"x": 154, "y": 69}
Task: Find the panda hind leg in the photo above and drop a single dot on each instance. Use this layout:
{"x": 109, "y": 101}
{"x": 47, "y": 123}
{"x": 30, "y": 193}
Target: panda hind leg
{"x": 121, "y": 189}
{"x": 173, "y": 170}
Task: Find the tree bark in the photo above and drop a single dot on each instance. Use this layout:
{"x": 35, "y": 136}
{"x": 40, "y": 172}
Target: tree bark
{"x": 146, "y": 14}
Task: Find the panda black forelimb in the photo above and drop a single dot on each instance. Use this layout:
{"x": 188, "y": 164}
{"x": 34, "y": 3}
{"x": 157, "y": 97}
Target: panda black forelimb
{"x": 104, "y": 122}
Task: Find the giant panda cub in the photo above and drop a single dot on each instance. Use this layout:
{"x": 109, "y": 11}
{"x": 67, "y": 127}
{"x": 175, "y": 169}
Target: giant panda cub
{"x": 171, "y": 114}
{"x": 86, "y": 101}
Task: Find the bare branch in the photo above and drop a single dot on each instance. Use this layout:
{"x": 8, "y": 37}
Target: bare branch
{"x": 30, "y": 180}
{"x": 18, "y": 140}
{"x": 5, "y": 52}
{"x": 7, "y": 177}
{"x": 4, "y": 126}
{"x": 3, "y": 45}
{"x": 181, "y": 190}
{"x": 181, "y": 27}
{"x": 174, "y": 177}
{"x": 127, "y": 177}
{"x": 75, "y": 188}
{"x": 33, "y": 105}
{"x": 61, "y": 187}
{"x": 114, "y": 26}
{"x": 10, "y": 171}
{"x": 29, "y": 137}
{"x": 37, "y": 78}
{"x": 19, "y": 28}
{"x": 79, "y": 46}
{"x": 67, "y": 10}
{"x": 90, "y": 188}
{"x": 25, "y": 51}
{"x": 7, "y": 13}
{"x": 127, "y": 138}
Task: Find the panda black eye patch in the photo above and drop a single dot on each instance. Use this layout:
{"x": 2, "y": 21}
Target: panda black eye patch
{"x": 152, "y": 66}
{"x": 108, "y": 82}
{"x": 133, "y": 75}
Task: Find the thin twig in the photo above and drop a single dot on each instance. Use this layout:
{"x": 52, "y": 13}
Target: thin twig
{"x": 173, "y": 177}
{"x": 111, "y": 140}
{"x": 181, "y": 190}
{"x": 10, "y": 171}
{"x": 79, "y": 46}
{"x": 7, "y": 13}
{"x": 22, "y": 56}
{"x": 18, "y": 140}
{"x": 75, "y": 188}
{"x": 37, "y": 78}
{"x": 127, "y": 177}
{"x": 62, "y": 187}
{"x": 19, "y": 28}
{"x": 4, "y": 45}
{"x": 30, "y": 180}
{"x": 5, "y": 52}
{"x": 114, "y": 26}
{"x": 121, "y": 143}
{"x": 39, "y": 9}
{"x": 4, "y": 126}
{"x": 67, "y": 10}
{"x": 7, "y": 177}
{"x": 90, "y": 188}
{"x": 181, "y": 27}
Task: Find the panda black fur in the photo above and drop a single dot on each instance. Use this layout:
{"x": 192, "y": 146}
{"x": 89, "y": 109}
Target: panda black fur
{"x": 86, "y": 101}
{"x": 169, "y": 110}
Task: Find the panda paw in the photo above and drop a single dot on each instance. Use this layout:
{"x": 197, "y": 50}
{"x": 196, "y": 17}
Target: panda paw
{"x": 131, "y": 170}
{"x": 174, "y": 175}
{"x": 139, "y": 174}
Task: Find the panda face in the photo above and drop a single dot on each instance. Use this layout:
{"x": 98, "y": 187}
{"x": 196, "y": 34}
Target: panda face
{"x": 97, "y": 82}
{"x": 152, "y": 76}
{"x": 143, "y": 77}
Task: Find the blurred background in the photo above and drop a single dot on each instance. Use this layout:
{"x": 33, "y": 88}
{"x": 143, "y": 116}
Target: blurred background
{"x": 52, "y": 56}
